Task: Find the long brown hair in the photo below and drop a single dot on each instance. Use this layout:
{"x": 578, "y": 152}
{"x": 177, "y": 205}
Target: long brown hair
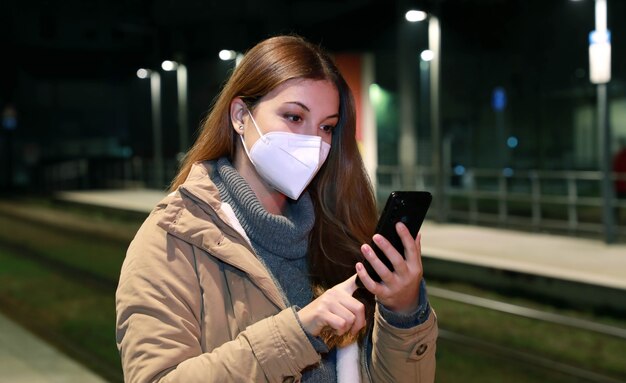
{"x": 343, "y": 197}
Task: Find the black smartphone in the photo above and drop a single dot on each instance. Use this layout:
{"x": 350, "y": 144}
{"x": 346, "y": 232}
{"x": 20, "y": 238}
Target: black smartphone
{"x": 408, "y": 207}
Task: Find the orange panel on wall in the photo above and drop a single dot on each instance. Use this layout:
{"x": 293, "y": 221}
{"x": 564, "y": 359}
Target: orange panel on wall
{"x": 350, "y": 66}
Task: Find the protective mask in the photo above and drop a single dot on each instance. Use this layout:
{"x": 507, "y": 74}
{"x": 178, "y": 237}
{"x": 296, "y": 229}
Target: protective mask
{"x": 287, "y": 161}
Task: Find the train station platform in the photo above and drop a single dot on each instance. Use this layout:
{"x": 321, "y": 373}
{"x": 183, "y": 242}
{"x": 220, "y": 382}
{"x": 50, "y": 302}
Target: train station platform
{"x": 569, "y": 258}
{"x": 25, "y": 358}
{"x": 585, "y": 269}
{"x": 586, "y": 272}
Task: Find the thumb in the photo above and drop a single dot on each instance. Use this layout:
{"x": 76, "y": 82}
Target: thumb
{"x": 349, "y": 285}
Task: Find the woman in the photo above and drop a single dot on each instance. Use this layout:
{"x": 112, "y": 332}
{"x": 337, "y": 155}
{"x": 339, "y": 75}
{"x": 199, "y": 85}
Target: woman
{"x": 246, "y": 271}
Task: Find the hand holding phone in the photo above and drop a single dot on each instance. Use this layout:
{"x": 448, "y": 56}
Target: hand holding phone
{"x": 408, "y": 207}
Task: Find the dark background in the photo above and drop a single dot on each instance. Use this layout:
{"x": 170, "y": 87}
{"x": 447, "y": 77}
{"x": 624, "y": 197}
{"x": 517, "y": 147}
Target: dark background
{"x": 69, "y": 69}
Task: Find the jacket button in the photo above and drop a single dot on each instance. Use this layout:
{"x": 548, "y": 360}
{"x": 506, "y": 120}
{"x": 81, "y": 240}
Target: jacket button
{"x": 421, "y": 349}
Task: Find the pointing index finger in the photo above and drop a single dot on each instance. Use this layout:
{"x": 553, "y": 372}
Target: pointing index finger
{"x": 349, "y": 285}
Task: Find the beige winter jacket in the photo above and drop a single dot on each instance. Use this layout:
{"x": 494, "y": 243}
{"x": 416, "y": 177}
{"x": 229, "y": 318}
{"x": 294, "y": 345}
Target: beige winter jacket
{"x": 194, "y": 304}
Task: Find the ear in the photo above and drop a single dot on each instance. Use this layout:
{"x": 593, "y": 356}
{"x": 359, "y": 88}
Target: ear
{"x": 237, "y": 112}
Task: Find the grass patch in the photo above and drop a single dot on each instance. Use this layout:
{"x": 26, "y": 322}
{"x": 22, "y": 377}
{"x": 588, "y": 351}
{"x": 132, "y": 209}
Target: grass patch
{"x": 96, "y": 256}
{"x": 75, "y": 317}
{"x": 563, "y": 344}
{"x": 457, "y": 363}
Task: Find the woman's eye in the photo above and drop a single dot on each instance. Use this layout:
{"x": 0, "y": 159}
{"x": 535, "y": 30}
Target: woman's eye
{"x": 293, "y": 117}
{"x": 327, "y": 128}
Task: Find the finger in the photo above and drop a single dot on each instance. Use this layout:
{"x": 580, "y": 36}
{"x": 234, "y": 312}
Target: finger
{"x": 379, "y": 267}
{"x": 366, "y": 280}
{"x": 349, "y": 285}
{"x": 418, "y": 245}
{"x": 351, "y": 310}
{"x": 338, "y": 323}
{"x": 392, "y": 254}
{"x": 409, "y": 243}
{"x": 343, "y": 312}
{"x": 350, "y": 316}
{"x": 413, "y": 252}
{"x": 359, "y": 322}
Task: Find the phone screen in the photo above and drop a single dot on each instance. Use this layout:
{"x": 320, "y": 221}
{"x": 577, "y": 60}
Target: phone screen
{"x": 408, "y": 207}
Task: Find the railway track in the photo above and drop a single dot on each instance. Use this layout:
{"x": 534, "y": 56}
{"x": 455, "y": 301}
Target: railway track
{"x": 530, "y": 359}
{"x": 527, "y": 312}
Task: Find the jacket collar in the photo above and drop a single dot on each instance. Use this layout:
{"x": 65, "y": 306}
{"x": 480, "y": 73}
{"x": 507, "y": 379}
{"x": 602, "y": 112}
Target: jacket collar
{"x": 194, "y": 213}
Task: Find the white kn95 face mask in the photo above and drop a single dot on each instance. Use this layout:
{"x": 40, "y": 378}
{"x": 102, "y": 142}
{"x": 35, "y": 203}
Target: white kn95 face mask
{"x": 287, "y": 161}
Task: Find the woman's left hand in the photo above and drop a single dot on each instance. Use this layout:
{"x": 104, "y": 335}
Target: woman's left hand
{"x": 399, "y": 289}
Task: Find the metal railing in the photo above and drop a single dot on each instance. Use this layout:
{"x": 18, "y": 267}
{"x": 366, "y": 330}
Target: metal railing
{"x": 113, "y": 173}
{"x": 564, "y": 201}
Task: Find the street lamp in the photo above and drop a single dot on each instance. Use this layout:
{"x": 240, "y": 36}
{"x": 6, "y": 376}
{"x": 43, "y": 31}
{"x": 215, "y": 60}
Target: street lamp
{"x": 427, "y": 55}
{"x": 155, "y": 102}
{"x": 181, "y": 86}
{"x": 413, "y": 15}
{"x": 433, "y": 55}
{"x": 600, "y": 74}
{"x": 229, "y": 54}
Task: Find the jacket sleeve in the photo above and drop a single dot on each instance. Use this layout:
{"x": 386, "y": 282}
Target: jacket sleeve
{"x": 403, "y": 354}
{"x": 158, "y": 329}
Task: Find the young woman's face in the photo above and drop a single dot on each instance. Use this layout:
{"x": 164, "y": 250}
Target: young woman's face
{"x": 308, "y": 107}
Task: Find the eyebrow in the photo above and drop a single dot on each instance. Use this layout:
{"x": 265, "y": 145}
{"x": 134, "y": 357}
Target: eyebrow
{"x": 336, "y": 115}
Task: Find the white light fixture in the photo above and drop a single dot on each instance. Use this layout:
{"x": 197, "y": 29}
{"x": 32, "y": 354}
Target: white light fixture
{"x": 600, "y": 57}
{"x": 427, "y": 55}
{"x": 169, "y": 65}
{"x": 415, "y": 16}
{"x": 143, "y": 73}
{"x": 227, "y": 54}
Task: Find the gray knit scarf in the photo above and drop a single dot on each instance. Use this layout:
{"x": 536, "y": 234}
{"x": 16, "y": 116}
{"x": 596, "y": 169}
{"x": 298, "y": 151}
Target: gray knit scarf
{"x": 280, "y": 242}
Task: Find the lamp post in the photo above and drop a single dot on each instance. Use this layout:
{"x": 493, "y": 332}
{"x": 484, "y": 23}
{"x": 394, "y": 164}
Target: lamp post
{"x": 434, "y": 63}
{"x": 408, "y": 139}
{"x": 424, "y": 109}
{"x": 600, "y": 74}
{"x": 155, "y": 103}
{"x": 434, "y": 45}
{"x": 604, "y": 129}
{"x": 181, "y": 92}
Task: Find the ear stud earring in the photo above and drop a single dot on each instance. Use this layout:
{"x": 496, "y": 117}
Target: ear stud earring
{"x": 240, "y": 127}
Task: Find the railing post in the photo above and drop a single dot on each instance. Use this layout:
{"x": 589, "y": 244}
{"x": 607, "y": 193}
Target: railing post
{"x": 535, "y": 190}
{"x": 535, "y": 183}
{"x": 572, "y": 201}
{"x": 502, "y": 199}
{"x": 473, "y": 204}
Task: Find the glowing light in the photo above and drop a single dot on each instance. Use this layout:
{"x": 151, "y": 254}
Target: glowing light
{"x": 427, "y": 55}
{"x": 415, "y": 16}
{"x": 512, "y": 142}
{"x": 168, "y": 65}
{"x": 227, "y": 54}
{"x": 143, "y": 73}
